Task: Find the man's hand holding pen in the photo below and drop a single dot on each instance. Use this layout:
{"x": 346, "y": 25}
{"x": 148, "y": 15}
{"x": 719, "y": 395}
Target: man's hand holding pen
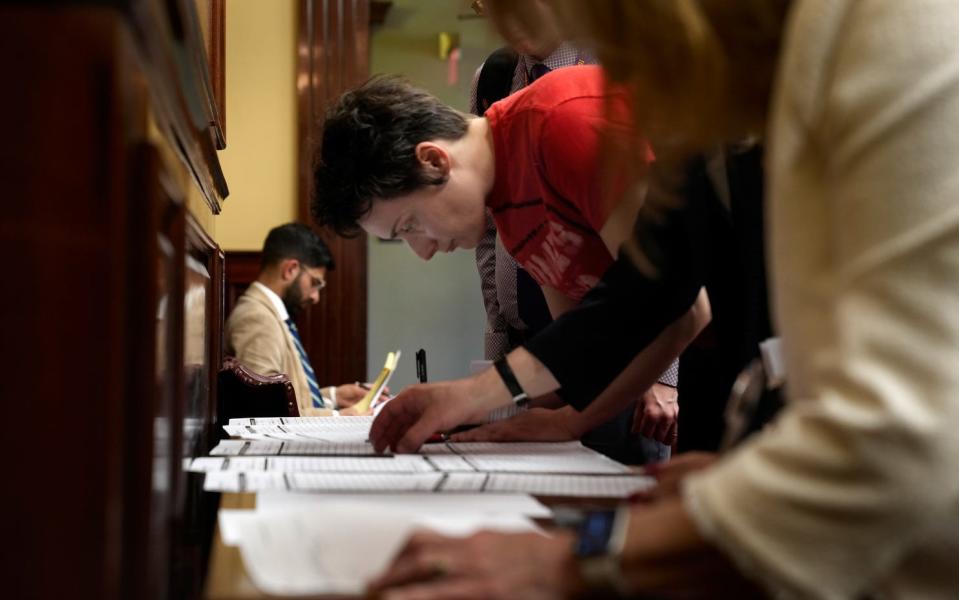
{"x": 422, "y": 410}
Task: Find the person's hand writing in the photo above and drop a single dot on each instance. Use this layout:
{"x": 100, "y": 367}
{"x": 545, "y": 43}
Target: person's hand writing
{"x": 534, "y": 425}
{"x": 349, "y": 394}
{"x": 656, "y": 414}
{"x": 421, "y": 410}
{"x": 496, "y": 566}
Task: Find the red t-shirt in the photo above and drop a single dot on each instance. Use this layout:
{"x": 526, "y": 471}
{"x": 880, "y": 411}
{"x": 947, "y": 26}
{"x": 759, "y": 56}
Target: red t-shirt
{"x": 550, "y": 199}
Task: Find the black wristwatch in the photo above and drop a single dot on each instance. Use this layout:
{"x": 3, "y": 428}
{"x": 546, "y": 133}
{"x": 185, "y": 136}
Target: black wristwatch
{"x": 599, "y": 551}
{"x": 520, "y": 397}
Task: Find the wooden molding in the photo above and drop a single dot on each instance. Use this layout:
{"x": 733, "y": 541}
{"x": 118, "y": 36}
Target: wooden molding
{"x": 97, "y": 222}
{"x": 166, "y": 32}
{"x": 216, "y": 53}
{"x": 332, "y": 56}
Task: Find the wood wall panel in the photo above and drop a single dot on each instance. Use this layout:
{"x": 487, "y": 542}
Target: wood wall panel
{"x": 94, "y": 228}
{"x": 242, "y": 269}
{"x": 63, "y": 346}
{"x": 215, "y": 23}
{"x": 194, "y": 509}
{"x": 332, "y": 56}
{"x": 152, "y": 377}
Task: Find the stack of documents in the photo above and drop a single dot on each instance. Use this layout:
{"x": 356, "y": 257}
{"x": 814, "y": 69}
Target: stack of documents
{"x": 332, "y": 513}
{"x": 324, "y": 454}
{"x": 324, "y": 429}
{"x": 322, "y": 547}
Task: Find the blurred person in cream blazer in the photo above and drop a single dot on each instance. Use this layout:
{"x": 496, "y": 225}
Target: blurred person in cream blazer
{"x": 261, "y": 331}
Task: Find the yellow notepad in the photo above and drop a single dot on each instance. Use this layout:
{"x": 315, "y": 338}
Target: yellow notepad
{"x": 377, "y": 387}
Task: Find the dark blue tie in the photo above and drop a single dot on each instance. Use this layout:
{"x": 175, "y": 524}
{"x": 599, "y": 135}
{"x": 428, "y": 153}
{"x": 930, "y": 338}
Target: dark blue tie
{"x": 305, "y": 361}
{"x": 537, "y": 71}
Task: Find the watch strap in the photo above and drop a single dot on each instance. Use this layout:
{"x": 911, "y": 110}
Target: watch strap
{"x": 601, "y": 570}
{"x": 520, "y": 397}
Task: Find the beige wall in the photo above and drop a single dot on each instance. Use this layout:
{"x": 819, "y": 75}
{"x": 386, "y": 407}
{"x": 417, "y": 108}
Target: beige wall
{"x": 260, "y": 159}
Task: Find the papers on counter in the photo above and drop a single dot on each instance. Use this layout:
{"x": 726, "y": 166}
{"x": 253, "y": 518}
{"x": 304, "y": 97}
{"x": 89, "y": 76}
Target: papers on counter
{"x": 327, "y": 429}
{"x": 569, "y": 457}
{"x": 412, "y": 502}
{"x": 292, "y": 448}
{"x": 328, "y": 550}
{"x": 588, "y": 486}
{"x": 329, "y": 454}
{"x": 313, "y": 464}
{"x": 243, "y": 481}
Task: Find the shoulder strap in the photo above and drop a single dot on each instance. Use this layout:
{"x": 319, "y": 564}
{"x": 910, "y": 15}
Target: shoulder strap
{"x": 496, "y": 78}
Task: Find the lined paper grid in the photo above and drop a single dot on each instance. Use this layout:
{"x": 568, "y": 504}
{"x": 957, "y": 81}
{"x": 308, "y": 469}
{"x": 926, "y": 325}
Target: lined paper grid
{"x": 591, "y": 486}
{"x": 292, "y": 448}
{"x": 365, "y": 482}
{"x": 239, "y": 481}
{"x": 538, "y": 457}
{"x": 300, "y": 432}
{"x": 241, "y": 463}
{"x": 586, "y": 486}
{"x": 464, "y": 482}
{"x": 246, "y": 448}
{"x": 342, "y": 460}
{"x": 234, "y": 481}
{"x": 517, "y": 457}
{"x": 449, "y": 463}
{"x": 436, "y": 448}
{"x": 312, "y": 464}
{"x": 515, "y": 447}
{"x": 328, "y": 429}
{"x": 426, "y": 503}
{"x": 327, "y": 423}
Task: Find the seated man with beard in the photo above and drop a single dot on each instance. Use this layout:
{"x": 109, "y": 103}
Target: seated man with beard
{"x": 260, "y": 331}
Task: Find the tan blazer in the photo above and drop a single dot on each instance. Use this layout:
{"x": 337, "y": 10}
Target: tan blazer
{"x": 257, "y": 336}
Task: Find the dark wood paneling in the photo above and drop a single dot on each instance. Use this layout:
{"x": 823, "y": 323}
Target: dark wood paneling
{"x": 333, "y": 55}
{"x": 216, "y": 53}
{"x": 93, "y": 322}
{"x": 64, "y": 216}
{"x": 242, "y": 269}
{"x": 195, "y": 510}
{"x": 170, "y": 40}
{"x": 153, "y": 377}
{"x": 378, "y": 11}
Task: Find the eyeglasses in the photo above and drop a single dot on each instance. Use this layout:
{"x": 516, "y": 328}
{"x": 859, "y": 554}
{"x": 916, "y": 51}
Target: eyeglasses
{"x": 316, "y": 283}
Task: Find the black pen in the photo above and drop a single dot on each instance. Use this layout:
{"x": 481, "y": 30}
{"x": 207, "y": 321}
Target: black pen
{"x": 437, "y": 437}
{"x": 421, "y": 365}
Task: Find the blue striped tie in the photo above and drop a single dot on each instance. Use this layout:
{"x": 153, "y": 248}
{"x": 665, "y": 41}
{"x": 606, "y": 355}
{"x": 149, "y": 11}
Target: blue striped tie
{"x": 305, "y": 361}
